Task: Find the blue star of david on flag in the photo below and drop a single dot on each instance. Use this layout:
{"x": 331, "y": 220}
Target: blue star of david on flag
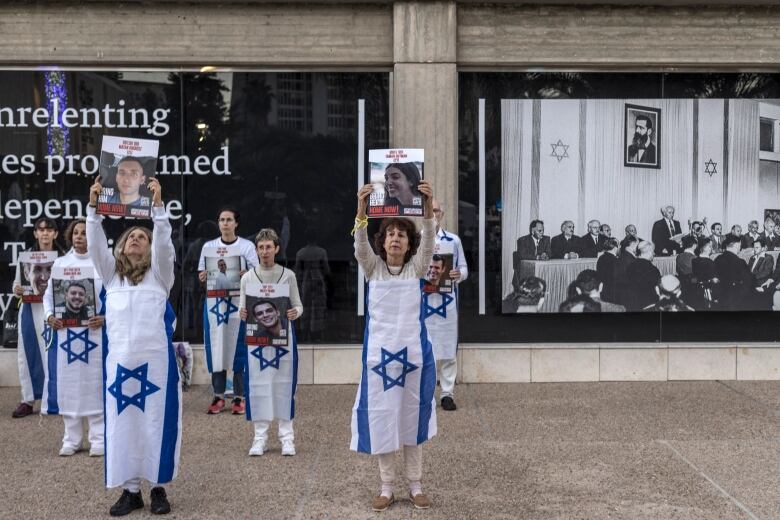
{"x": 47, "y": 335}
{"x": 147, "y": 388}
{"x": 446, "y": 237}
{"x": 279, "y": 353}
{"x": 76, "y": 337}
{"x": 400, "y": 357}
{"x": 441, "y": 310}
{"x": 223, "y": 317}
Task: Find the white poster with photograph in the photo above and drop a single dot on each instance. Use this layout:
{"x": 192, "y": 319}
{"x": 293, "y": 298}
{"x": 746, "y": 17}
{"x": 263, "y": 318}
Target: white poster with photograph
{"x": 267, "y": 322}
{"x": 223, "y": 265}
{"x": 126, "y": 167}
{"x": 74, "y": 295}
{"x": 437, "y": 279}
{"x": 36, "y": 272}
{"x": 396, "y": 175}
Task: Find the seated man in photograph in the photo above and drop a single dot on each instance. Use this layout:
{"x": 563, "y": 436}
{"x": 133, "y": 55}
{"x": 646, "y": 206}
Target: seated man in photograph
{"x": 716, "y": 235}
{"x": 736, "y": 231}
{"x": 669, "y": 293}
{"x": 76, "y": 303}
{"x": 527, "y": 296}
{"x": 771, "y": 239}
{"x": 632, "y": 232}
{"x": 589, "y": 284}
{"x": 626, "y": 257}
{"x": 606, "y": 268}
{"x": 752, "y": 234}
{"x": 268, "y": 317}
{"x": 129, "y": 179}
{"x": 735, "y": 277}
{"x": 578, "y": 304}
{"x": 564, "y": 245}
{"x": 666, "y": 233}
{"x": 642, "y": 277}
{"x": 605, "y": 231}
{"x": 590, "y": 245}
{"x": 535, "y": 245}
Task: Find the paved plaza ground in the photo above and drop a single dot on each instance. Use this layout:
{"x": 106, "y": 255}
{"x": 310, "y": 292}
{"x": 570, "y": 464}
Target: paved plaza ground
{"x": 682, "y": 450}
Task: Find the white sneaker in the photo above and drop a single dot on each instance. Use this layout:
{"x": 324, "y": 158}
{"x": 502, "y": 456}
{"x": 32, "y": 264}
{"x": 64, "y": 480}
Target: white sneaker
{"x": 97, "y": 451}
{"x": 67, "y": 451}
{"x": 288, "y": 448}
{"x": 258, "y": 448}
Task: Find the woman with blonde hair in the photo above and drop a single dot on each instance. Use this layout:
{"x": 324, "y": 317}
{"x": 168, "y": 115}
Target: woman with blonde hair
{"x": 142, "y": 398}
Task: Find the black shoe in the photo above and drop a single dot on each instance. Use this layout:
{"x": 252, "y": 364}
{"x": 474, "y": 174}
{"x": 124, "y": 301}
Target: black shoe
{"x": 160, "y": 505}
{"x": 127, "y": 503}
{"x": 448, "y": 404}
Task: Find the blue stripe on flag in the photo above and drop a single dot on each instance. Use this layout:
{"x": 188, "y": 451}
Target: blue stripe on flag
{"x": 364, "y": 435}
{"x": 239, "y": 358}
{"x": 247, "y": 392}
{"x": 427, "y": 379}
{"x": 294, "y": 370}
{"x": 170, "y": 431}
{"x": 207, "y": 334}
{"x": 32, "y": 351}
{"x": 104, "y": 353}
{"x": 51, "y": 355}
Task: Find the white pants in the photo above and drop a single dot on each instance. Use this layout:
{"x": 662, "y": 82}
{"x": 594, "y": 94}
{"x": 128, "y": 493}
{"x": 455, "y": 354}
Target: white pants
{"x": 286, "y": 432}
{"x": 448, "y": 370}
{"x": 74, "y": 431}
{"x": 412, "y": 465}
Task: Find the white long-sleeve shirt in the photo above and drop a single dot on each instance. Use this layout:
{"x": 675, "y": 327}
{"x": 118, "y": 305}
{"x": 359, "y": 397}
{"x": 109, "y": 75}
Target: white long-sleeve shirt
{"x": 375, "y": 268}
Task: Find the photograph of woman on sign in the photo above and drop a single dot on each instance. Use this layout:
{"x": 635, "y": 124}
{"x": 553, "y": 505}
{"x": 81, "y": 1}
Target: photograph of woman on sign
{"x": 395, "y": 177}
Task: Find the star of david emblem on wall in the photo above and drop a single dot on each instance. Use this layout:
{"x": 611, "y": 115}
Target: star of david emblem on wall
{"x": 73, "y": 338}
{"x": 711, "y": 167}
{"x": 139, "y": 399}
{"x": 559, "y": 150}
{"x": 392, "y": 360}
{"x": 230, "y": 308}
{"x": 279, "y": 353}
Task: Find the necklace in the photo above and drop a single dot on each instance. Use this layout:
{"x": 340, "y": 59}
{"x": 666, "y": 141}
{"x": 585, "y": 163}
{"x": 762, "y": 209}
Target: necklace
{"x": 391, "y": 273}
{"x": 261, "y": 280}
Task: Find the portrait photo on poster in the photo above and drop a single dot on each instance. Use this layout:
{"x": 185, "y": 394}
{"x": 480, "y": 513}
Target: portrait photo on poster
{"x": 396, "y": 175}
{"x": 126, "y": 167}
{"x": 223, "y": 265}
{"x": 437, "y": 279}
{"x": 267, "y": 322}
{"x": 36, "y": 272}
{"x": 642, "y": 132}
{"x": 74, "y": 295}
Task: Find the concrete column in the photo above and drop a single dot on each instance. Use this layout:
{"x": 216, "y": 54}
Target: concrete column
{"x": 425, "y": 93}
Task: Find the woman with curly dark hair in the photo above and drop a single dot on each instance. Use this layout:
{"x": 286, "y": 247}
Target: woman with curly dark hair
{"x": 395, "y": 408}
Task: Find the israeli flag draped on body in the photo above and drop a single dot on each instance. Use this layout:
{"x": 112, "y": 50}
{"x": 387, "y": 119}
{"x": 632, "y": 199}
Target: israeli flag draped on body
{"x": 141, "y": 378}
{"x": 223, "y": 330}
{"x": 394, "y": 406}
{"x": 271, "y": 380}
{"x": 33, "y": 337}
{"x": 74, "y": 358}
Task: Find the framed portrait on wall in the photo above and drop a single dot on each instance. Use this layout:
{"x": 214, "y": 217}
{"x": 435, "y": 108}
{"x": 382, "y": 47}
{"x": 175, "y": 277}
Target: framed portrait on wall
{"x": 642, "y": 147}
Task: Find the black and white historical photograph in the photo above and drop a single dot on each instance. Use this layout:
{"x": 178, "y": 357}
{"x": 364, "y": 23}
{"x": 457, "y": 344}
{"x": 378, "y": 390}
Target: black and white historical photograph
{"x": 692, "y": 234}
{"x": 643, "y": 128}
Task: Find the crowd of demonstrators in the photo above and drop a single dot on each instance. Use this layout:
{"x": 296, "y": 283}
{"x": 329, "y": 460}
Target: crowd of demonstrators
{"x": 715, "y": 270}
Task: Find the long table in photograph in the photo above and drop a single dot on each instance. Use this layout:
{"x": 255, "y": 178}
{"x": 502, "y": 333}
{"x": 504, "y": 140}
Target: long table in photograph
{"x": 560, "y": 273}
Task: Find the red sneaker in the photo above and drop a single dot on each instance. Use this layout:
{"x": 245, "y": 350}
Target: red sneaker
{"x": 216, "y": 406}
{"x": 238, "y": 406}
{"x": 23, "y": 410}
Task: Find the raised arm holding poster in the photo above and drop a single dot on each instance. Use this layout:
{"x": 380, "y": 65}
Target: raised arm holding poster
{"x": 267, "y": 323}
{"x": 74, "y": 295}
{"x": 126, "y": 166}
{"x": 395, "y": 175}
{"x": 36, "y": 271}
{"x": 224, "y": 266}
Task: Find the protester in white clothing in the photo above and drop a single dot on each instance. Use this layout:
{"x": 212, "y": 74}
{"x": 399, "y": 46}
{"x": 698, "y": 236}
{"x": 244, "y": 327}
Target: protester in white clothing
{"x": 141, "y": 378}
{"x": 73, "y": 386}
{"x": 395, "y": 407}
